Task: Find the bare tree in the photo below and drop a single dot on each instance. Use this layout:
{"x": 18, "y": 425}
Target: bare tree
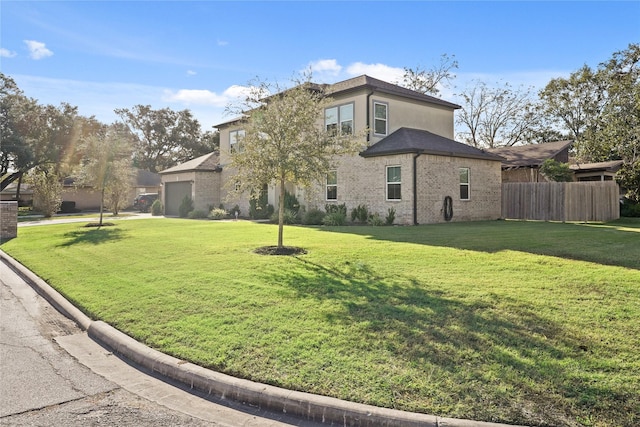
{"x": 429, "y": 81}
{"x": 497, "y": 116}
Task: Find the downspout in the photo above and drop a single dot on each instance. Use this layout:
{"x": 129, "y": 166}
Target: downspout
{"x": 369, "y": 116}
{"x": 415, "y": 187}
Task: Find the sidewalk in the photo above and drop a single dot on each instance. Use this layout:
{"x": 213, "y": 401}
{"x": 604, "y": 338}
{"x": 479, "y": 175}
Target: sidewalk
{"x": 305, "y": 406}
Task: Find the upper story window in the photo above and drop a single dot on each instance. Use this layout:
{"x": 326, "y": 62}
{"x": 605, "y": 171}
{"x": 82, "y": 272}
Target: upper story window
{"x": 464, "y": 184}
{"x": 394, "y": 183}
{"x": 380, "y": 118}
{"x": 339, "y": 119}
{"x": 332, "y": 185}
{"x": 235, "y": 138}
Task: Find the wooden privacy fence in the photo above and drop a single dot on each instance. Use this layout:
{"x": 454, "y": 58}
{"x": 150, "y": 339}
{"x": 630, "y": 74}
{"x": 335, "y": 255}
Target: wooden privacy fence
{"x": 561, "y": 201}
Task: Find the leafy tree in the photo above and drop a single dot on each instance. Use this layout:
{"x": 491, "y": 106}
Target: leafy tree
{"x": 283, "y": 141}
{"x": 575, "y": 104}
{"x": 106, "y": 164}
{"x": 429, "y": 81}
{"x": 497, "y": 116}
{"x": 35, "y": 135}
{"x": 619, "y": 124}
{"x": 601, "y": 110}
{"x": 165, "y": 138}
{"x": 557, "y": 171}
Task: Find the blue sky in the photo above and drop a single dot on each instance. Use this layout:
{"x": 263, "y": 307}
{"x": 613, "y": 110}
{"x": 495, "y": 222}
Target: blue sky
{"x": 199, "y": 55}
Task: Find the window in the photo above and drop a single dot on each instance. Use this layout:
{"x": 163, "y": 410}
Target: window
{"x": 464, "y": 183}
{"x": 235, "y": 138}
{"x": 339, "y": 118}
{"x": 332, "y": 185}
{"x": 393, "y": 183}
{"x": 380, "y": 118}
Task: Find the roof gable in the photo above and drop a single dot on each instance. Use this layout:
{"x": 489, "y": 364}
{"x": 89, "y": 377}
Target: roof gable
{"x": 530, "y": 155}
{"x": 408, "y": 140}
{"x": 208, "y": 162}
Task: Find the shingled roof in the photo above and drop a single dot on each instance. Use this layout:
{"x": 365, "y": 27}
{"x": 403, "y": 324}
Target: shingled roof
{"x": 208, "y": 162}
{"x": 408, "y": 140}
{"x": 530, "y": 155}
{"x": 365, "y": 81}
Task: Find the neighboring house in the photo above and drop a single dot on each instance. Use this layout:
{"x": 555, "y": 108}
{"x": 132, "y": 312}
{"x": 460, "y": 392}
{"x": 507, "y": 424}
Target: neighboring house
{"x": 86, "y": 198}
{"x": 522, "y": 163}
{"x": 198, "y": 179}
{"x": 411, "y": 163}
{"x": 26, "y": 194}
{"x": 601, "y": 171}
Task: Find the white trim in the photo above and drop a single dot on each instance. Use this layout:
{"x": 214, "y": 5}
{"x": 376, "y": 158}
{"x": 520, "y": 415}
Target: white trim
{"x": 386, "y": 187}
{"x": 461, "y": 184}
{"x": 386, "y": 118}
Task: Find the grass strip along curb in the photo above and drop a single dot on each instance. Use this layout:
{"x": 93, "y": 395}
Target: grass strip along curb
{"x": 304, "y": 405}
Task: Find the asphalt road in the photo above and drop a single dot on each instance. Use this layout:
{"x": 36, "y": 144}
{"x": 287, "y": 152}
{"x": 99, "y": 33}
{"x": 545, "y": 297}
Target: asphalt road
{"x": 52, "y": 373}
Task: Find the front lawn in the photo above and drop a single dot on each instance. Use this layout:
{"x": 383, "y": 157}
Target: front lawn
{"x": 516, "y": 322}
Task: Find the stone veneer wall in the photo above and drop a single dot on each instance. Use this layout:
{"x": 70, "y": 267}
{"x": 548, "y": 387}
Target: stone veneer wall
{"x": 8, "y": 220}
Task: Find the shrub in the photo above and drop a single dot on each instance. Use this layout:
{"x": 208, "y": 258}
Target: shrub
{"x": 391, "y": 216}
{"x": 186, "y": 206}
{"x": 259, "y": 209}
{"x": 289, "y": 217}
{"x": 330, "y": 208}
{"x": 556, "y": 171}
{"x": 360, "y": 214}
{"x": 335, "y": 218}
{"x": 156, "y": 208}
{"x": 291, "y": 202}
{"x": 235, "y": 209}
{"x": 197, "y": 214}
{"x": 313, "y": 217}
{"x": 630, "y": 209}
{"x": 375, "y": 220}
{"x": 217, "y": 214}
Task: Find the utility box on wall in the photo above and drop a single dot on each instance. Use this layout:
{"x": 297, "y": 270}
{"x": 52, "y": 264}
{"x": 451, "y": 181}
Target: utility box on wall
{"x": 8, "y": 220}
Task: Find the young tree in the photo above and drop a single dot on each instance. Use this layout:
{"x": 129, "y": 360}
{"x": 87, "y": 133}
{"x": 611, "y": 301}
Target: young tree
{"x": 47, "y": 190}
{"x": 429, "y": 81}
{"x": 165, "y": 138}
{"x": 285, "y": 142}
{"x": 107, "y": 165}
{"x": 497, "y": 116}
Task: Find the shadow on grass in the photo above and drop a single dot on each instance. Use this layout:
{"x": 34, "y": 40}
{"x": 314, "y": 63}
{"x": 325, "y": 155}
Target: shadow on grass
{"x": 494, "y": 359}
{"x": 92, "y": 236}
{"x": 616, "y": 243}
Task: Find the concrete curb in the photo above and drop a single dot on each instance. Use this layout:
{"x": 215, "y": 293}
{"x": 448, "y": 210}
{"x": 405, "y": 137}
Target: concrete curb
{"x": 306, "y": 406}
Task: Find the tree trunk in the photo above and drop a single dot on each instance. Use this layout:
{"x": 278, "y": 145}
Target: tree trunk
{"x": 18, "y": 187}
{"x": 281, "y": 211}
{"x": 101, "y": 204}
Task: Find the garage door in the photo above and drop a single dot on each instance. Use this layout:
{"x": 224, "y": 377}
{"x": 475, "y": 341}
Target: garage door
{"x": 174, "y": 193}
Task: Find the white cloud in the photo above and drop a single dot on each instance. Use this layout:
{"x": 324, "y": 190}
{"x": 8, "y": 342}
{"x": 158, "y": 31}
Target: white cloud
{"x": 37, "y": 50}
{"x": 379, "y": 71}
{"x": 206, "y": 97}
{"x": 222, "y": 42}
{"x": 325, "y": 67}
{"x": 6, "y": 53}
{"x": 191, "y": 73}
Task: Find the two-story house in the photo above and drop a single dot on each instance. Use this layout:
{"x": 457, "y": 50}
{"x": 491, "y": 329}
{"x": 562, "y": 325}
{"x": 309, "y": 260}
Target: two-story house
{"x": 411, "y": 163}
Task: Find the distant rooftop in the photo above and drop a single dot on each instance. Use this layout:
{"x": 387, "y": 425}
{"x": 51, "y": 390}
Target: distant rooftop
{"x": 208, "y": 162}
{"x": 530, "y": 155}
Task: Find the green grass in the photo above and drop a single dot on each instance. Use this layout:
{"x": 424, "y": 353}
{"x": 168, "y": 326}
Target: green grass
{"x": 517, "y": 322}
